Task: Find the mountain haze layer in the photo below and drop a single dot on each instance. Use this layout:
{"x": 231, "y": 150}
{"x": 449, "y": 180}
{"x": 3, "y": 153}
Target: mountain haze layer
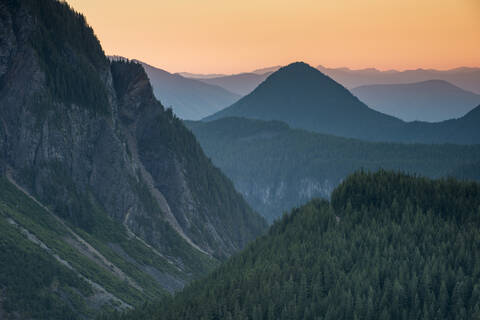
{"x": 464, "y": 77}
{"x": 189, "y": 99}
{"x": 432, "y": 100}
{"x": 266, "y": 70}
{"x": 131, "y": 206}
{"x": 305, "y": 98}
{"x": 115, "y": 206}
{"x": 200, "y": 75}
{"x": 241, "y": 84}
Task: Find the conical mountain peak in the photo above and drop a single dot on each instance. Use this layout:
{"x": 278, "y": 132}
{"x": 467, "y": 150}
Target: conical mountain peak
{"x": 305, "y": 98}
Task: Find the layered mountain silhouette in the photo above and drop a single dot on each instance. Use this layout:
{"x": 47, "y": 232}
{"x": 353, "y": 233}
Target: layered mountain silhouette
{"x": 266, "y": 70}
{"x": 432, "y": 100}
{"x": 464, "y": 130}
{"x": 106, "y": 199}
{"x": 464, "y": 77}
{"x": 242, "y": 83}
{"x": 305, "y": 98}
{"x": 201, "y": 75}
{"x": 189, "y": 99}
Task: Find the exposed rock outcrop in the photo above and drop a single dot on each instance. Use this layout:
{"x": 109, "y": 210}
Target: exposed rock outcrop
{"x": 87, "y": 138}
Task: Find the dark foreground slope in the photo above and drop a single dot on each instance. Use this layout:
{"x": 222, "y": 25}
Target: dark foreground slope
{"x": 89, "y": 142}
{"x": 277, "y": 168}
{"x": 389, "y": 246}
{"x": 305, "y": 98}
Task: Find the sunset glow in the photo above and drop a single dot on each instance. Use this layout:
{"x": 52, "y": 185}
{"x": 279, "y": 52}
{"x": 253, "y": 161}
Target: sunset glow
{"x": 233, "y": 36}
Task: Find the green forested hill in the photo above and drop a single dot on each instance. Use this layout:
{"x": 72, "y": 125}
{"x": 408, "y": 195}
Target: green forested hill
{"x": 389, "y": 246}
{"x": 276, "y": 167}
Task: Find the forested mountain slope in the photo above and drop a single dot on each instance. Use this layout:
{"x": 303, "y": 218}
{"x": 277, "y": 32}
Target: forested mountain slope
{"x": 276, "y": 167}
{"x": 305, "y": 98}
{"x": 389, "y": 246}
{"x": 88, "y": 140}
{"x": 49, "y": 270}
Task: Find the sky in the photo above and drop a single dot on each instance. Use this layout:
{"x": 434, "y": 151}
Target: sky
{"x": 226, "y": 36}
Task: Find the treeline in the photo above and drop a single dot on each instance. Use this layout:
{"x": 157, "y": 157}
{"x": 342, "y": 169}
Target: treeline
{"x": 390, "y": 246}
{"x": 294, "y": 165}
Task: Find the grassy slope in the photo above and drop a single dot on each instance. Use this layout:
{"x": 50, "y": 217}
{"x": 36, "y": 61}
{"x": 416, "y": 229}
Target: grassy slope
{"x": 44, "y": 299}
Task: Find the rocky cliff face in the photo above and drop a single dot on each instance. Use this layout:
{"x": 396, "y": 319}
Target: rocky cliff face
{"x": 273, "y": 197}
{"x": 87, "y": 138}
{"x": 195, "y": 197}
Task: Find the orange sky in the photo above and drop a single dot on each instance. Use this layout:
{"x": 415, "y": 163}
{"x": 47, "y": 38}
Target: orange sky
{"x": 225, "y": 36}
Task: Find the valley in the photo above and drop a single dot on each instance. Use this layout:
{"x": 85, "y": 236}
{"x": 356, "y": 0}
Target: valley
{"x": 402, "y": 247}
{"x": 245, "y": 186}
{"x": 277, "y": 168}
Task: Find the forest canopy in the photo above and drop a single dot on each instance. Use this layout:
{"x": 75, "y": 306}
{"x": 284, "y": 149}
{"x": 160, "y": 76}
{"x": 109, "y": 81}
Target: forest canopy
{"x": 389, "y": 246}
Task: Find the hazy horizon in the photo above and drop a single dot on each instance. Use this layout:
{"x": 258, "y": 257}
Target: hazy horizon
{"x": 231, "y": 37}
{"x": 315, "y": 65}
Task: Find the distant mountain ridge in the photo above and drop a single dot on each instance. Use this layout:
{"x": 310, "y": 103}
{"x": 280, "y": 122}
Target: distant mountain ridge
{"x": 432, "y": 100}
{"x": 241, "y": 84}
{"x": 190, "y": 99}
{"x": 305, "y": 98}
{"x": 266, "y": 70}
{"x": 467, "y": 78}
{"x": 219, "y": 75}
{"x": 200, "y": 75}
